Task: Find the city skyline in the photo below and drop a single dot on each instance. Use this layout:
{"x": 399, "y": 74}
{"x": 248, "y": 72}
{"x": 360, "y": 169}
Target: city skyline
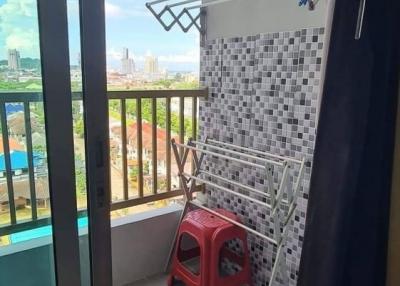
{"x": 128, "y": 24}
{"x": 127, "y": 64}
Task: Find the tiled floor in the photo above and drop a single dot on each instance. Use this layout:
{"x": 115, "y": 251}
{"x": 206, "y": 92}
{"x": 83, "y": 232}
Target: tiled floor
{"x": 159, "y": 280}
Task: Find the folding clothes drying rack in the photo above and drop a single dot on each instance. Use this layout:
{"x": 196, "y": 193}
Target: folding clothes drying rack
{"x": 193, "y": 11}
{"x": 281, "y": 202}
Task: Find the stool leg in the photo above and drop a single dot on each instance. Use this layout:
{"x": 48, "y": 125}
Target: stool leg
{"x": 171, "y": 251}
{"x": 170, "y": 281}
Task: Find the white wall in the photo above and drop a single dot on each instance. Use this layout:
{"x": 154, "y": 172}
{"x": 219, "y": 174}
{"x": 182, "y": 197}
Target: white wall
{"x": 141, "y": 243}
{"x": 140, "y": 246}
{"x": 250, "y": 17}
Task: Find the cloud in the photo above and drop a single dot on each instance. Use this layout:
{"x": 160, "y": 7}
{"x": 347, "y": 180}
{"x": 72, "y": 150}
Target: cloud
{"x": 18, "y": 26}
{"x": 22, "y": 39}
{"x": 114, "y": 10}
{"x": 191, "y": 56}
{"x": 114, "y": 54}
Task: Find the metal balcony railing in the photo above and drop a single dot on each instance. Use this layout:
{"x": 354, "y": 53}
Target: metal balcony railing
{"x": 9, "y": 201}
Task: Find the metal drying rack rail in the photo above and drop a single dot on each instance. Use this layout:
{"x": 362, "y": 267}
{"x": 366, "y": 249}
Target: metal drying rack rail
{"x": 280, "y": 206}
{"x": 191, "y": 13}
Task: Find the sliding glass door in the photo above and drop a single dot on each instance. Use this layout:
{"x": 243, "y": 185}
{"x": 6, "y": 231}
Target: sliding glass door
{"x": 54, "y": 176}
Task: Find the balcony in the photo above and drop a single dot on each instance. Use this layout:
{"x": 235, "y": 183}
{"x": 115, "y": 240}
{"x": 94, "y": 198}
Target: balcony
{"x": 307, "y": 88}
{"x": 145, "y": 190}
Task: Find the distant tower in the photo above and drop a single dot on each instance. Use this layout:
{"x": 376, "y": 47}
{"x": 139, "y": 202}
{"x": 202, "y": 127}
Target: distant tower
{"x": 151, "y": 65}
{"x": 127, "y": 64}
{"x": 79, "y": 59}
{"x": 14, "y": 60}
{"x": 125, "y": 53}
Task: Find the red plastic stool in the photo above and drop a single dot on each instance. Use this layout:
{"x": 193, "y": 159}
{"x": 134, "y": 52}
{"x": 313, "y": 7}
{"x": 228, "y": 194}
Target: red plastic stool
{"x": 201, "y": 245}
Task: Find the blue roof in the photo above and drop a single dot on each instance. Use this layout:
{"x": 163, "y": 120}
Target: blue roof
{"x": 13, "y": 108}
{"x": 19, "y": 160}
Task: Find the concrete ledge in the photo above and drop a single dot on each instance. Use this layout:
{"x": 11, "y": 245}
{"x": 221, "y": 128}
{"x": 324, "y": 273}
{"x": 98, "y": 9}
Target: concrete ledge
{"x": 140, "y": 246}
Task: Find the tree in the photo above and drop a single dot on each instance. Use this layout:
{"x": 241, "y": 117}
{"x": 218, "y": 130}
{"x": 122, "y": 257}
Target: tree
{"x": 80, "y": 178}
{"x": 134, "y": 173}
{"x": 79, "y": 128}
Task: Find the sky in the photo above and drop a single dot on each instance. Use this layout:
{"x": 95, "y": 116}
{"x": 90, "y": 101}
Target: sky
{"x": 128, "y": 24}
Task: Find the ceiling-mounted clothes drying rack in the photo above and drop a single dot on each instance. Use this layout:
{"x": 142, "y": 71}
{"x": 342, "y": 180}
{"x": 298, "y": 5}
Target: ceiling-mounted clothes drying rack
{"x": 280, "y": 201}
{"x": 191, "y": 13}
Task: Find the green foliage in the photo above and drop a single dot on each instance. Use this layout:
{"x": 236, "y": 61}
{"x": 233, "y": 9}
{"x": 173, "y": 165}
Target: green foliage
{"x": 80, "y": 178}
{"x": 165, "y": 83}
{"x": 80, "y": 175}
{"x": 134, "y": 173}
{"x": 26, "y": 63}
{"x": 79, "y": 128}
{"x": 186, "y": 85}
{"x": 146, "y": 168}
{"x": 76, "y": 86}
{"x": 39, "y": 149}
{"x": 147, "y": 114}
{"x": 29, "y": 63}
{"x": 32, "y": 85}
{"x": 162, "y": 183}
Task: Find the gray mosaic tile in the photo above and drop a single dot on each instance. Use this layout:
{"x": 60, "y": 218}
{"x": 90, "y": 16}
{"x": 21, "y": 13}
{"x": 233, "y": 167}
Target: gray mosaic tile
{"x": 263, "y": 94}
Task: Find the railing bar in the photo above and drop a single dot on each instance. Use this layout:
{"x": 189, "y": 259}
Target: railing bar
{"x": 139, "y": 144}
{"x": 208, "y": 183}
{"x": 181, "y": 128}
{"x": 133, "y": 94}
{"x": 234, "y": 222}
{"x": 168, "y": 147}
{"x": 20, "y": 97}
{"x": 24, "y": 225}
{"x": 222, "y": 156}
{"x": 154, "y": 143}
{"x": 194, "y": 118}
{"x": 31, "y": 167}
{"x": 124, "y": 149}
{"x": 238, "y": 153}
{"x": 181, "y": 122}
{"x": 194, "y": 125}
{"x": 7, "y": 161}
{"x": 255, "y": 151}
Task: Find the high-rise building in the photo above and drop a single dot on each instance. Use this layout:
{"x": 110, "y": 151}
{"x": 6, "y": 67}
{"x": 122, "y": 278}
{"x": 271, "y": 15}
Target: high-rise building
{"x": 14, "y": 60}
{"x": 151, "y": 65}
{"x": 78, "y": 57}
{"x": 125, "y": 53}
{"x": 127, "y": 64}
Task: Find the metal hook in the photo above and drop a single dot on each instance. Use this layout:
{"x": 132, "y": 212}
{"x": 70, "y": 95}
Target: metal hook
{"x": 360, "y": 19}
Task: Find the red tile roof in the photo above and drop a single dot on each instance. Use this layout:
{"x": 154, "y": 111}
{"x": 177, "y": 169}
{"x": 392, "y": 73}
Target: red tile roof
{"x": 147, "y": 142}
{"x": 14, "y": 145}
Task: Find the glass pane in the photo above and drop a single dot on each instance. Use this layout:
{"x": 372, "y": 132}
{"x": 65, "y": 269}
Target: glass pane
{"x": 141, "y": 55}
{"x": 26, "y": 250}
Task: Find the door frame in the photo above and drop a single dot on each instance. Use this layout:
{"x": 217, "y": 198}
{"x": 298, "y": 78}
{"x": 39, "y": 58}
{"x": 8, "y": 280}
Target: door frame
{"x": 393, "y": 275}
{"x": 95, "y": 102}
{"x": 54, "y": 53}
{"x": 54, "y": 49}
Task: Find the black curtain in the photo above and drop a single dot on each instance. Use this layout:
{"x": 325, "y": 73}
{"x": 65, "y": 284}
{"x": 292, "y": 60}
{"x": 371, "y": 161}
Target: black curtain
{"x": 346, "y": 232}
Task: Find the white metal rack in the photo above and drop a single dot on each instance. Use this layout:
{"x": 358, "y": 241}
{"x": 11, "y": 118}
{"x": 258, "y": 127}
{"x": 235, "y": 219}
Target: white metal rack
{"x": 193, "y": 11}
{"x": 280, "y": 201}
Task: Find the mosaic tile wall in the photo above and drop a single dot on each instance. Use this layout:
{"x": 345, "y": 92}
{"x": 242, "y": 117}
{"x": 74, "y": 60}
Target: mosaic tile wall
{"x": 263, "y": 94}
